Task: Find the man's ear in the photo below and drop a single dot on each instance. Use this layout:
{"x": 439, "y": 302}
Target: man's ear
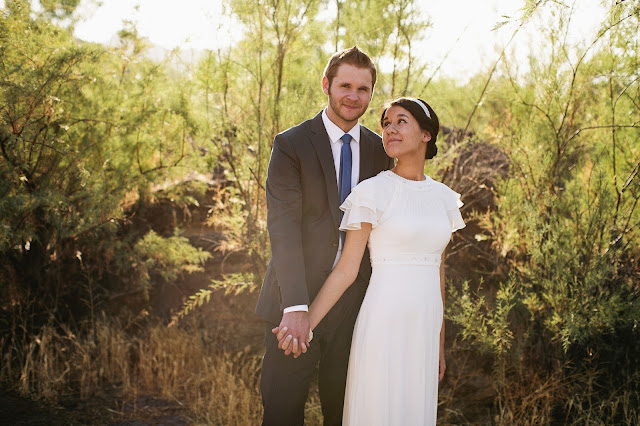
{"x": 325, "y": 85}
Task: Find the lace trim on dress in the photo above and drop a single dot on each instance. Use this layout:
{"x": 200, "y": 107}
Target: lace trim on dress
{"x": 422, "y": 185}
{"x": 407, "y": 259}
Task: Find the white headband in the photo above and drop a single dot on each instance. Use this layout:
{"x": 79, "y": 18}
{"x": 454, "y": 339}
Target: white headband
{"x": 423, "y": 106}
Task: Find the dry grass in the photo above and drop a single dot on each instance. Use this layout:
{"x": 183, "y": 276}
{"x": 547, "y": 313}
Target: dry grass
{"x": 571, "y": 399}
{"x": 185, "y": 366}
{"x": 529, "y": 401}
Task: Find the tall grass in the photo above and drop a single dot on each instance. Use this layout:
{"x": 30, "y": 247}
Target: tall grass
{"x": 219, "y": 386}
{"x": 180, "y": 364}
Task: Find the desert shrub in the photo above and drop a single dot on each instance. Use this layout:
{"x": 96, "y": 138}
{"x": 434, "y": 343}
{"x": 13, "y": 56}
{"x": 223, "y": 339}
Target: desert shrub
{"x": 561, "y": 329}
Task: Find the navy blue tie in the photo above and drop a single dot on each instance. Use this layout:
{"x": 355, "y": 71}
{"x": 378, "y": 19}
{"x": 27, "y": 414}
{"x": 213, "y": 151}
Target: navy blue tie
{"x": 345, "y": 174}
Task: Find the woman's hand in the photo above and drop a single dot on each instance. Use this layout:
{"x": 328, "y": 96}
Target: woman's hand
{"x": 286, "y": 340}
{"x": 342, "y": 276}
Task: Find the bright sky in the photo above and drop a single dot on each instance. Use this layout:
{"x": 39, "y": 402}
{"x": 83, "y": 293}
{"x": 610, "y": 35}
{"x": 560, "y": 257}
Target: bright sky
{"x": 200, "y": 24}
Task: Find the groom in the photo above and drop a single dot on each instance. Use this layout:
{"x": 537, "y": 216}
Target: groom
{"x": 307, "y": 166}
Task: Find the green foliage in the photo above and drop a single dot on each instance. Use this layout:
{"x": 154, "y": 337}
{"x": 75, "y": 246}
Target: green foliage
{"x": 88, "y": 136}
{"x": 59, "y": 8}
{"x": 54, "y": 188}
{"x": 566, "y": 223}
{"x": 167, "y": 257}
{"x": 234, "y": 283}
{"x": 486, "y": 324}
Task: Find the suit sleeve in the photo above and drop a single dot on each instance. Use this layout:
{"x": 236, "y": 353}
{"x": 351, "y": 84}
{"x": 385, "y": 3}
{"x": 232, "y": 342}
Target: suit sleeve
{"x": 284, "y": 222}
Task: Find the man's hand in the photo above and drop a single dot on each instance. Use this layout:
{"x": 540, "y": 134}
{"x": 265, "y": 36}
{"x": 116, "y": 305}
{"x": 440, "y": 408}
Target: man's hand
{"x": 293, "y": 333}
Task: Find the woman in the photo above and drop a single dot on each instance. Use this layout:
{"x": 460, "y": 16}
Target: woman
{"x": 397, "y": 351}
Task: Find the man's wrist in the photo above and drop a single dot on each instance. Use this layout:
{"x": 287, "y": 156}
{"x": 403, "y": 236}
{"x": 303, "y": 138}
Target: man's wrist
{"x": 296, "y": 308}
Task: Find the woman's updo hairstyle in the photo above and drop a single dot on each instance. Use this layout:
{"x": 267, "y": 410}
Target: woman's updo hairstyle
{"x": 416, "y": 108}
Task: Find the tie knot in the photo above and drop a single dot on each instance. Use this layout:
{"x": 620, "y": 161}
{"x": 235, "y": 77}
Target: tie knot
{"x": 346, "y": 138}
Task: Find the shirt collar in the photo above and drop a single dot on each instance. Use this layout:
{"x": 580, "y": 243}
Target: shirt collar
{"x": 335, "y": 132}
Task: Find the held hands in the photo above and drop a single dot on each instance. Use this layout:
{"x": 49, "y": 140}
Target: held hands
{"x": 293, "y": 333}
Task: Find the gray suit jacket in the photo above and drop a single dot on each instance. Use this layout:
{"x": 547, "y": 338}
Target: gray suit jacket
{"x": 303, "y": 214}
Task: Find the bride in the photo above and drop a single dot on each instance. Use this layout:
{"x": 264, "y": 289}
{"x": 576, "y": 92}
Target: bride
{"x": 406, "y": 218}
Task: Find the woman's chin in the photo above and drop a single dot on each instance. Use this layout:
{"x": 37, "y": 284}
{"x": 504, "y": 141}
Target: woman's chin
{"x": 392, "y": 151}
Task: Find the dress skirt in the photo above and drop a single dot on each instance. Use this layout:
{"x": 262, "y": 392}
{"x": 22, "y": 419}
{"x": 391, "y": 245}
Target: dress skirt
{"x": 393, "y": 366}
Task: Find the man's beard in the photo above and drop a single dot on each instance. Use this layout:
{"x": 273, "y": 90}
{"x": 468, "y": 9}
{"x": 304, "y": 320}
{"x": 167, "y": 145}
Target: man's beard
{"x": 335, "y": 107}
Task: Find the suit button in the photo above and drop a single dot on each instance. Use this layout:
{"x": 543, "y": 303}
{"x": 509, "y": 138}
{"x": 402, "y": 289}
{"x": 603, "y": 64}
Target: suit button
{"x": 335, "y": 244}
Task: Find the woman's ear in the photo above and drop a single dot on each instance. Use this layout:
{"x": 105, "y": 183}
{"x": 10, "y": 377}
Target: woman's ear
{"x": 426, "y": 136}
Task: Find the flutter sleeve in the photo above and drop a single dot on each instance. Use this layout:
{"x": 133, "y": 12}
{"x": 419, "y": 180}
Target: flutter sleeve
{"x": 361, "y": 206}
{"x": 453, "y": 203}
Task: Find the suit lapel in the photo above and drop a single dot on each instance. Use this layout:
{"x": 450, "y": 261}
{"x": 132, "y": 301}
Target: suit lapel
{"x": 320, "y": 141}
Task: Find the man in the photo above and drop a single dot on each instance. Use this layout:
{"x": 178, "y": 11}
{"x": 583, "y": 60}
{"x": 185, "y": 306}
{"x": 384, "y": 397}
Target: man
{"x": 309, "y": 173}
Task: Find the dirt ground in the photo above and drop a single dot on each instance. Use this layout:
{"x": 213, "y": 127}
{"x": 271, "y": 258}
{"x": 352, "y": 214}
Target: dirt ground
{"x": 106, "y": 410}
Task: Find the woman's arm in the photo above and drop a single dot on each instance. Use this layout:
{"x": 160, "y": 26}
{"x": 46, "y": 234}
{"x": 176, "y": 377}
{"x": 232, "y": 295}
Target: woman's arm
{"x": 443, "y": 365}
{"x": 342, "y": 276}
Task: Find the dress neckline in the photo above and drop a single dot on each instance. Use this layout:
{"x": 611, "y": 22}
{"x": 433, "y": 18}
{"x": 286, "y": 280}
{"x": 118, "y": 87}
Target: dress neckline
{"x": 413, "y": 184}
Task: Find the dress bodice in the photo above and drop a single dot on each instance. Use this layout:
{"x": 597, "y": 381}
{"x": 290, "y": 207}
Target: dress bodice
{"x": 412, "y": 220}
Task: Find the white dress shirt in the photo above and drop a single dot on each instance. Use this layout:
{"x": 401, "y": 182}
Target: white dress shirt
{"x": 335, "y": 133}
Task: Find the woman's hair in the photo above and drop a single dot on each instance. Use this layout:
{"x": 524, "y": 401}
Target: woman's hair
{"x": 418, "y": 109}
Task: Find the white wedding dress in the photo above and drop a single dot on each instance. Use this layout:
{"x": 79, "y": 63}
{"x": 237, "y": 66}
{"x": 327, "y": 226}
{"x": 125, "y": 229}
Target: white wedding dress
{"x": 393, "y": 366}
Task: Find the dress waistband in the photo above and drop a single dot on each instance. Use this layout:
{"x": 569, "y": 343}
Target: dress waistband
{"x": 407, "y": 259}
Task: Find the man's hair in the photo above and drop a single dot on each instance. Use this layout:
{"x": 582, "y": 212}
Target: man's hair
{"x": 352, "y": 56}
